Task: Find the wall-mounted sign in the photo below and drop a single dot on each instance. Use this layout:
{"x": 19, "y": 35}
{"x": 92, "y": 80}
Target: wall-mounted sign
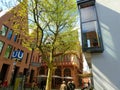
{"x": 18, "y": 54}
{"x": 35, "y": 64}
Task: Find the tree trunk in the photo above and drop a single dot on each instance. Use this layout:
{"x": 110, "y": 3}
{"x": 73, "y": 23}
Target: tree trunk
{"x": 49, "y": 76}
{"x": 49, "y": 79}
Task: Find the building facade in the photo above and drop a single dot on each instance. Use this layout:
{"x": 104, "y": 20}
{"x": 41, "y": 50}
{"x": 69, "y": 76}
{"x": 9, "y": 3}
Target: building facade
{"x": 105, "y": 64}
{"x": 66, "y": 67}
{"x": 15, "y": 59}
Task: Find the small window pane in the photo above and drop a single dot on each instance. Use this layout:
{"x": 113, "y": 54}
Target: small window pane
{"x": 8, "y": 51}
{"x": 90, "y": 36}
{"x": 1, "y": 46}
{"x": 89, "y": 26}
{"x": 4, "y": 30}
{"x": 9, "y": 34}
{"x": 15, "y": 38}
{"x": 88, "y": 14}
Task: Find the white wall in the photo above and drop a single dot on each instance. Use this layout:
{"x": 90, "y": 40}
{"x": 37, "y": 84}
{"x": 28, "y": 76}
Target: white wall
{"x": 106, "y": 65}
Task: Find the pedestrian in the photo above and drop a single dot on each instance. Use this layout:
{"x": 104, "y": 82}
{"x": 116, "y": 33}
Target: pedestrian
{"x": 1, "y": 83}
{"x": 43, "y": 84}
{"x": 33, "y": 85}
{"x": 72, "y": 85}
{"x": 5, "y": 83}
{"x": 68, "y": 86}
{"x": 63, "y": 86}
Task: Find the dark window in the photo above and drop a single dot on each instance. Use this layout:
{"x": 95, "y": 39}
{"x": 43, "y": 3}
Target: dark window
{"x": 15, "y": 38}
{"x": 67, "y": 72}
{"x": 90, "y": 30}
{"x": 4, "y": 30}
{"x": 9, "y": 35}
{"x": 42, "y": 71}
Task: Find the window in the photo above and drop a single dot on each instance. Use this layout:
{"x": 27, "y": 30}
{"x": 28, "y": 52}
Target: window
{"x": 4, "y": 30}
{"x": 9, "y": 35}
{"x": 15, "y": 38}
{"x": 1, "y": 46}
{"x": 8, "y": 51}
{"x": 67, "y": 72}
{"x": 90, "y": 30}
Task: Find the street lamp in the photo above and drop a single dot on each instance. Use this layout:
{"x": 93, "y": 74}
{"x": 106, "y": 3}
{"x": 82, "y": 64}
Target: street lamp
{"x": 32, "y": 46}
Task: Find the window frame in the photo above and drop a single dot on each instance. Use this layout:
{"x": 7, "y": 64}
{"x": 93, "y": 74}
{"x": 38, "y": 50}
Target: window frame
{"x": 93, "y": 49}
{"x": 1, "y": 48}
{"x": 9, "y": 34}
{"x": 8, "y": 56}
{"x": 3, "y": 28}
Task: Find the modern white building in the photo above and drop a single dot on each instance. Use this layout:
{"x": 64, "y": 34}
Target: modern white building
{"x": 100, "y": 31}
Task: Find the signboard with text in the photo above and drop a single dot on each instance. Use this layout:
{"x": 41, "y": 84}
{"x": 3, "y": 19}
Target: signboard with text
{"x": 18, "y": 54}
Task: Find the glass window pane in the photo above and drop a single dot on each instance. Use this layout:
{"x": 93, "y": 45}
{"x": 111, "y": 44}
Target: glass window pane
{"x": 8, "y": 51}
{"x": 1, "y": 46}
{"x": 15, "y": 38}
{"x": 4, "y": 30}
{"x": 88, "y": 14}
{"x": 9, "y": 34}
{"x": 90, "y": 36}
{"x": 89, "y": 26}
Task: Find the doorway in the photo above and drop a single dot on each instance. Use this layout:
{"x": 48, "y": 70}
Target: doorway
{"x": 14, "y": 74}
{"x": 4, "y": 71}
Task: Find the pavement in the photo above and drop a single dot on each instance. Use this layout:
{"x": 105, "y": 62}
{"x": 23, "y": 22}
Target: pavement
{"x": 11, "y": 88}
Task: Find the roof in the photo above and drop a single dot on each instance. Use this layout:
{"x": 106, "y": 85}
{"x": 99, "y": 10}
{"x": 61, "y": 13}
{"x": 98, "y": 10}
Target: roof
{"x": 2, "y": 13}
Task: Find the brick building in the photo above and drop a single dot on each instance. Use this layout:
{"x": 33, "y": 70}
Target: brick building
{"x": 66, "y": 67}
{"x": 14, "y": 57}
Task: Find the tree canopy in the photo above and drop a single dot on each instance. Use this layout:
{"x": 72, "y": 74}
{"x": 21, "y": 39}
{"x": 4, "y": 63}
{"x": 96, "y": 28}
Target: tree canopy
{"x": 52, "y": 18}
{"x": 53, "y": 26}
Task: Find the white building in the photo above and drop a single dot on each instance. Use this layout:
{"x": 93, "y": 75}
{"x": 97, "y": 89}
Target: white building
{"x": 105, "y": 55}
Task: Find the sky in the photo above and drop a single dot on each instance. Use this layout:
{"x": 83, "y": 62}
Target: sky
{"x": 5, "y": 4}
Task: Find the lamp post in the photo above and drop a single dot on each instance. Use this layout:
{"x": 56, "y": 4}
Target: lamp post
{"x": 32, "y": 45}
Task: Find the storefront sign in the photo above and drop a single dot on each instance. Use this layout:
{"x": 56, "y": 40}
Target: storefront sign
{"x": 18, "y": 54}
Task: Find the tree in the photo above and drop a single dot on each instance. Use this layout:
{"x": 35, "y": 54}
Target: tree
{"x": 53, "y": 23}
{"x": 54, "y": 20}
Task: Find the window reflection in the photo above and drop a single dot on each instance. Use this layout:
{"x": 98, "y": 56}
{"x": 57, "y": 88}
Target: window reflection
{"x": 8, "y": 51}
{"x": 3, "y": 30}
{"x": 88, "y": 14}
{"x": 90, "y": 29}
{"x": 9, "y": 35}
{"x": 90, "y": 36}
{"x": 1, "y": 46}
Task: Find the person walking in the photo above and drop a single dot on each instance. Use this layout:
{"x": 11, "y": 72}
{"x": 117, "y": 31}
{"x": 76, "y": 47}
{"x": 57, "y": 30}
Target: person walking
{"x": 68, "y": 86}
{"x": 63, "y": 86}
{"x": 33, "y": 85}
{"x": 72, "y": 85}
{"x": 5, "y": 84}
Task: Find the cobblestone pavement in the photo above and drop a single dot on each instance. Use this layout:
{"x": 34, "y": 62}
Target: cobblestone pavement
{"x": 11, "y": 88}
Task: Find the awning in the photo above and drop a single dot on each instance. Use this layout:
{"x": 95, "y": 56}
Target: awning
{"x": 55, "y": 76}
{"x": 85, "y": 75}
{"x": 67, "y": 77}
{"x": 41, "y": 76}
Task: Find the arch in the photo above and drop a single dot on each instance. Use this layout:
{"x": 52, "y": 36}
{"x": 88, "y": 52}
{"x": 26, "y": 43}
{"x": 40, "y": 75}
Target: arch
{"x": 67, "y": 72}
{"x": 58, "y": 72}
{"x": 42, "y": 71}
